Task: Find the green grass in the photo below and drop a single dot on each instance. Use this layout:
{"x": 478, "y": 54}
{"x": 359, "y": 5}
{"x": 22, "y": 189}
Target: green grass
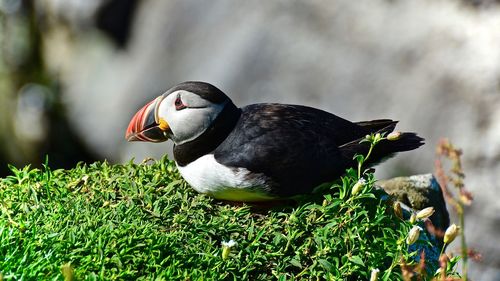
{"x": 143, "y": 222}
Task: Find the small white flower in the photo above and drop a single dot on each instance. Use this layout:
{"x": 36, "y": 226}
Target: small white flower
{"x": 229, "y": 244}
{"x": 374, "y": 275}
{"x": 398, "y": 211}
{"x": 413, "y": 234}
{"x": 358, "y": 186}
{"x": 226, "y": 248}
{"x": 450, "y": 233}
{"x": 425, "y": 213}
{"x": 396, "y": 135}
{"x": 413, "y": 218}
{"x": 85, "y": 179}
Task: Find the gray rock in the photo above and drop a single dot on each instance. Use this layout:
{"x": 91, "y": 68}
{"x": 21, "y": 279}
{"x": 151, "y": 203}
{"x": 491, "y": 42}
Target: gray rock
{"x": 416, "y": 193}
{"x": 419, "y": 192}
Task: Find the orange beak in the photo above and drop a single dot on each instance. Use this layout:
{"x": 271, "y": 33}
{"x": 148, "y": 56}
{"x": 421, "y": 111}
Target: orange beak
{"x": 145, "y": 125}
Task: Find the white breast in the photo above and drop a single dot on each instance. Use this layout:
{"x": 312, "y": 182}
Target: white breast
{"x": 208, "y": 176}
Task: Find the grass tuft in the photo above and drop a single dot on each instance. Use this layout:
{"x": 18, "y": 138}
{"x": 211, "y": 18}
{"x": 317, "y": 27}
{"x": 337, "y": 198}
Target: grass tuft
{"x": 143, "y": 222}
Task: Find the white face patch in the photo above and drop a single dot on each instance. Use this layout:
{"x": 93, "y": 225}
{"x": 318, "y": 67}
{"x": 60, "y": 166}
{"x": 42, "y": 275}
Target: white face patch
{"x": 208, "y": 176}
{"x": 191, "y": 121}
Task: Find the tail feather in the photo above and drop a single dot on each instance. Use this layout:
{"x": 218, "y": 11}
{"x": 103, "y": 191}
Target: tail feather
{"x": 379, "y": 124}
{"x": 384, "y": 149}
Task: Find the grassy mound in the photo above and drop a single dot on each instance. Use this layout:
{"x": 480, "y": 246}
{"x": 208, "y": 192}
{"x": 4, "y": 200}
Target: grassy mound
{"x": 128, "y": 222}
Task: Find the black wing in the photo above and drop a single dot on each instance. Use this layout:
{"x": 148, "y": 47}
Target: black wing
{"x": 296, "y": 146}
{"x": 300, "y": 147}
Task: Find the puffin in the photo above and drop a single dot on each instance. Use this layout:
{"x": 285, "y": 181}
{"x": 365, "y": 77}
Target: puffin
{"x": 259, "y": 152}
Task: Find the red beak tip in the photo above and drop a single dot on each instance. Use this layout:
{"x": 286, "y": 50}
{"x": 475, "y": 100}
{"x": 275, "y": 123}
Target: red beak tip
{"x": 136, "y": 126}
{"x": 130, "y": 134}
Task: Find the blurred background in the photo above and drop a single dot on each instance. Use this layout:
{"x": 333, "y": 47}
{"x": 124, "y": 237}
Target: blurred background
{"x": 73, "y": 73}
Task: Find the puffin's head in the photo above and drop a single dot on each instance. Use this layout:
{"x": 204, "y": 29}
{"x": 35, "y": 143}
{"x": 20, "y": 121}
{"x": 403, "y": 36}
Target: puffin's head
{"x": 181, "y": 114}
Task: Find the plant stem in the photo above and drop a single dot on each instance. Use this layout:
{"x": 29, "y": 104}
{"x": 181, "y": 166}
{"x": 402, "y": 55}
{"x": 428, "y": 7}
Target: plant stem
{"x": 369, "y": 151}
{"x": 463, "y": 242}
{"x": 442, "y": 250}
{"x": 360, "y": 163}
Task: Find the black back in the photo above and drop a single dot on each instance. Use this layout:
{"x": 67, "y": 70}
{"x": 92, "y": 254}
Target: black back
{"x": 300, "y": 147}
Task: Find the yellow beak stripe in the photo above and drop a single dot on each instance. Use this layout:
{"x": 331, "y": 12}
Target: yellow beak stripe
{"x": 163, "y": 125}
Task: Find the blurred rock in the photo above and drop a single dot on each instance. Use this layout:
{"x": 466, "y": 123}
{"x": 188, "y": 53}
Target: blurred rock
{"x": 32, "y": 120}
{"x": 419, "y": 192}
{"x": 433, "y": 65}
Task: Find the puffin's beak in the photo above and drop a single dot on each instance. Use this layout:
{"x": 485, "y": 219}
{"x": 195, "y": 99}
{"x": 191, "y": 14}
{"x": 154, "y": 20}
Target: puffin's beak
{"x": 145, "y": 125}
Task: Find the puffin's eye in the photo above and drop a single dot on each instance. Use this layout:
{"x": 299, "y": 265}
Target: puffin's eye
{"x": 178, "y": 103}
